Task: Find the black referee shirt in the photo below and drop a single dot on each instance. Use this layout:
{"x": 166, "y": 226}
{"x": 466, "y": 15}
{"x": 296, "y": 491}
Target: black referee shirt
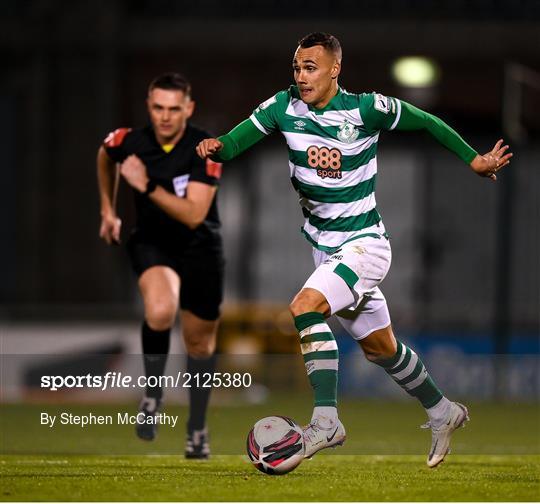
{"x": 173, "y": 171}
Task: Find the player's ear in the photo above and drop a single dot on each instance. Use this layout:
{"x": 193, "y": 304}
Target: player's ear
{"x": 336, "y": 69}
{"x": 190, "y": 108}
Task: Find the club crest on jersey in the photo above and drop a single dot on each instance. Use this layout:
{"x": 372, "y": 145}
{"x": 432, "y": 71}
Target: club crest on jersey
{"x": 347, "y": 132}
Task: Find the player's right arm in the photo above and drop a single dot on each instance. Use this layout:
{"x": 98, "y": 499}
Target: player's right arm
{"x": 109, "y": 229}
{"x": 261, "y": 123}
{"x": 231, "y": 145}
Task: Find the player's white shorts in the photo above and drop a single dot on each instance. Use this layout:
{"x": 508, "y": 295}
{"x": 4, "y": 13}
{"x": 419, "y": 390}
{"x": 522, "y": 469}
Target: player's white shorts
{"x": 349, "y": 280}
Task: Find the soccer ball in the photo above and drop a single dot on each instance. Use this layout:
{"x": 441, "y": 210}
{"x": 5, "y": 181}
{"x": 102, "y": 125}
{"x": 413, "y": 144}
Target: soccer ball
{"x": 275, "y": 445}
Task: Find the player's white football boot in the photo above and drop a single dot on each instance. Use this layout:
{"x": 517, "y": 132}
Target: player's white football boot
{"x": 440, "y": 436}
{"x": 317, "y": 437}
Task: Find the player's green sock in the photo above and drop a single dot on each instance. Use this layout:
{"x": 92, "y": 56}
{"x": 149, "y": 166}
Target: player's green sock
{"x": 321, "y": 356}
{"x": 408, "y": 371}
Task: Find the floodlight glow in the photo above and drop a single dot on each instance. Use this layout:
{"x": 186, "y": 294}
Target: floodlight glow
{"x": 415, "y": 71}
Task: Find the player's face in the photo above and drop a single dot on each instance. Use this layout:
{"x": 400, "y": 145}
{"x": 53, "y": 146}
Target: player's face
{"x": 315, "y": 72}
{"x": 169, "y": 111}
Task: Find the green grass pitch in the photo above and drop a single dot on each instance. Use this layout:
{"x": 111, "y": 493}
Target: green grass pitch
{"x": 495, "y": 458}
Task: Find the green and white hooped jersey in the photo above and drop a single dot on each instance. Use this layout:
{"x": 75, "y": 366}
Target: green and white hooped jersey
{"x": 332, "y": 159}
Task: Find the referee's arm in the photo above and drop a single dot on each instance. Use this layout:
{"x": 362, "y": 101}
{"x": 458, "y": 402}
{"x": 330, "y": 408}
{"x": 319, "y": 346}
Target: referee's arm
{"x": 109, "y": 229}
{"x": 190, "y": 210}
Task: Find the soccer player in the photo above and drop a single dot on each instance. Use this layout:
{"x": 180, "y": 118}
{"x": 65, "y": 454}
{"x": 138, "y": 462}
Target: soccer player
{"x": 176, "y": 246}
{"x": 332, "y": 140}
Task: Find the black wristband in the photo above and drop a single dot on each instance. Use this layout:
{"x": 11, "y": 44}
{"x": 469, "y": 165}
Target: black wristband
{"x": 150, "y": 187}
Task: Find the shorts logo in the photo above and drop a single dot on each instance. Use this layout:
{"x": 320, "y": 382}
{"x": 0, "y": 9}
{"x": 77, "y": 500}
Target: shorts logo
{"x": 335, "y": 257}
{"x": 327, "y": 161}
{"x": 347, "y": 132}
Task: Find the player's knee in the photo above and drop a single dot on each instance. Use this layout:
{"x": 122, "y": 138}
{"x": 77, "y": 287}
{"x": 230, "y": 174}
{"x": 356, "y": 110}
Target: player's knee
{"x": 160, "y": 315}
{"x": 304, "y": 303}
{"x": 299, "y": 307}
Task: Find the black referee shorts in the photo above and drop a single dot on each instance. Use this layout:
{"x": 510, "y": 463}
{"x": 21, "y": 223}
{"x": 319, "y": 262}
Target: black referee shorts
{"x": 201, "y": 272}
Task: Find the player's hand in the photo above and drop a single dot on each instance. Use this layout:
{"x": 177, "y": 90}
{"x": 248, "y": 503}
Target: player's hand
{"x": 134, "y": 171}
{"x": 208, "y": 147}
{"x": 110, "y": 228}
{"x": 490, "y": 163}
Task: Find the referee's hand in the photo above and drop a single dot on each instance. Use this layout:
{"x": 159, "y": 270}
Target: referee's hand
{"x": 110, "y": 228}
{"x": 208, "y": 147}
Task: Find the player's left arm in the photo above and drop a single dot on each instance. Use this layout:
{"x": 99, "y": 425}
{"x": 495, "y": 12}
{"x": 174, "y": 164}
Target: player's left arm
{"x": 190, "y": 210}
{"x": 486, "y": 165}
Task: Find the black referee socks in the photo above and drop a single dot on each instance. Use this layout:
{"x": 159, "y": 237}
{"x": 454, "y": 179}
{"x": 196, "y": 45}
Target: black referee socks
{"x": 199, "y": 396}
{"x": 155, "y": 345}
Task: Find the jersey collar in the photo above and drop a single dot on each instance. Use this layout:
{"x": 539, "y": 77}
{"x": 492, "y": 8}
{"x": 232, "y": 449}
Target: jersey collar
{"x": 329, "y": 105}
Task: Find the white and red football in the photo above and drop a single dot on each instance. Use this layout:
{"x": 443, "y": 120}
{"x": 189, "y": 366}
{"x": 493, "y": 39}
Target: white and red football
{"x": 275, "y": 445}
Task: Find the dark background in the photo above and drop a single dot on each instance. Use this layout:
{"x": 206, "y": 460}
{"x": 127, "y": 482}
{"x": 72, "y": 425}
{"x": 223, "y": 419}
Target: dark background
{"x": 466, "y": 252}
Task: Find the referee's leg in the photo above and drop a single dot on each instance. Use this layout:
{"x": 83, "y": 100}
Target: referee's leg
{"x": 160, "y": 288}
{"x": 200, "y": 340}
{"x": 199, "y": 335}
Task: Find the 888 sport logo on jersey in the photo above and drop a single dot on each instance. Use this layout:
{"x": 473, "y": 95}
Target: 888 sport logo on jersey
{"x": 327, "y": 161}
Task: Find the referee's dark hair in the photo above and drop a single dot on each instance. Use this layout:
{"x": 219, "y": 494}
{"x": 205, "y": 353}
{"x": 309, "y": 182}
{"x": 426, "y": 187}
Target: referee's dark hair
{"x": 329, "y": 42}
{"x": 171, "y": 80}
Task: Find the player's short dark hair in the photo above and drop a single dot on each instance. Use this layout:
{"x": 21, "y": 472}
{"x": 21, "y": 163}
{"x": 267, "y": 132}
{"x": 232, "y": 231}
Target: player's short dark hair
{"x": 171, "y": 80}
{"x": 329, "y": 42}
